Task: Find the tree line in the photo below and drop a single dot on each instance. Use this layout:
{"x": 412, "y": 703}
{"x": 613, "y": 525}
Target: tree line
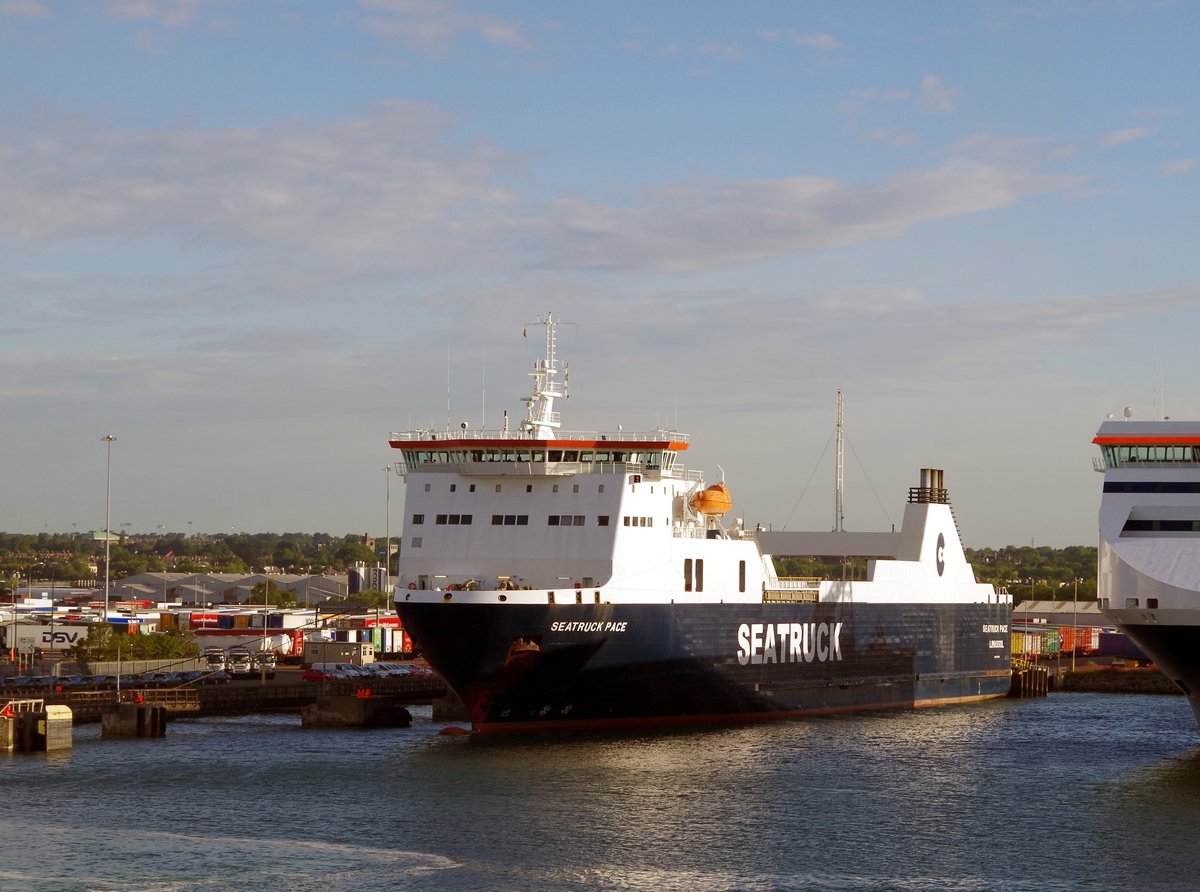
{"x": 74, "y": 557}
{"x": 1026, "y": 571}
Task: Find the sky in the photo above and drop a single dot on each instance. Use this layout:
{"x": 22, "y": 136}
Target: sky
{"x": 250, "y": 239}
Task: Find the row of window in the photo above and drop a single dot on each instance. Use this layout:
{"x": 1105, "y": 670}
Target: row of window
{"x": 520, "y": 520}
{"x": 1120, "y": 455}
{"x": 525, "y": 455}
{"x": 1161, "y": 526}
{"x": 1151, "y": 486}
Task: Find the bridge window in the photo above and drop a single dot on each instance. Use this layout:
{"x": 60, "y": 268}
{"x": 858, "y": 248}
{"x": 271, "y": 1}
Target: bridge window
{"x": 418, "y": 519}
{"x": 1119, "y": 455}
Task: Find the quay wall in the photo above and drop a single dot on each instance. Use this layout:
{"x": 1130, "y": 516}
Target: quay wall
{"x": 1117, "y": 681}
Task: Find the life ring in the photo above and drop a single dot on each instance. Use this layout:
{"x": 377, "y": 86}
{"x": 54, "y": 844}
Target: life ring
{"x": 412, "y": 585}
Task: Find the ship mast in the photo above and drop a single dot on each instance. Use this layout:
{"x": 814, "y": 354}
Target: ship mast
{"x": 838, "y": 515}
{"x": 541, "y": 421}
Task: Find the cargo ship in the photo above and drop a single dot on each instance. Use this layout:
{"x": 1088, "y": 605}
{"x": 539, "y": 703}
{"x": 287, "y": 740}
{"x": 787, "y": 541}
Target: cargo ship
{"x": 560, "y": 580}
{"x": 1148, "y": 581}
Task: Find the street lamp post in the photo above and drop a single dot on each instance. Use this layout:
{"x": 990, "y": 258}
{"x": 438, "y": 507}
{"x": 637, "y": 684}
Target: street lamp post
{"x": 108, "y": 439}
{"x": 262, "y": 651}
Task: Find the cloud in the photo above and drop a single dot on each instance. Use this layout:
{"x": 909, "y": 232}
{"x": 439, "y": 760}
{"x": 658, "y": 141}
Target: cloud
{"x": 822, "y": 42}
{"x": 167, "y": 13}
{"x": 937, "y": 95}
{"x": 429, "y": 26}
{"x": 706, "y": 224}
{"x": 1177, "y": 166}
{"x": 392, "y": 191}
{"x": 388, "y": 184}
{"x": 933, "y": 95}
{"x": 1129, "y": 134}
{"x": 724, "y": 51}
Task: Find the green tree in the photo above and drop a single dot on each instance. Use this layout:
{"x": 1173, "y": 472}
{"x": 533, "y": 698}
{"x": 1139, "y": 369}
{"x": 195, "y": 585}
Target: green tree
{"x": 275, "y": 596}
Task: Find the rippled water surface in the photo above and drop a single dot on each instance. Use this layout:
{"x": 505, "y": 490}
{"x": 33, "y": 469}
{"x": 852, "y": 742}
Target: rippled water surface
{"x": 1076, "y": 791}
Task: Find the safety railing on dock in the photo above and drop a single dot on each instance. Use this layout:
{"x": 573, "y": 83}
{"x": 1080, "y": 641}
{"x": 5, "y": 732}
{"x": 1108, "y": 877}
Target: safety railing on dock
{"x": 13, "y": 707}
{"x": 174, "y": 699}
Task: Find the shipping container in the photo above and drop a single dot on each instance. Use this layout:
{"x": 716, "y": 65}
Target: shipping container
{"x": 338, "y": 652}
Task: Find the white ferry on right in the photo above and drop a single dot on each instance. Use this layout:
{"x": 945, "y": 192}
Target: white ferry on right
{"x": 1149, "y": 557}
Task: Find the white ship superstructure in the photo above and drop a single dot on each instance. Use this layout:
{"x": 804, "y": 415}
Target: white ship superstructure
{"x": 1149, "y": 551}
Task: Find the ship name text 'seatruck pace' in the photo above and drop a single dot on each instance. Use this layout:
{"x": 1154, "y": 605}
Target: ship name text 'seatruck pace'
{"x": 789, "y": 642}
{"x": 589, "y": 627}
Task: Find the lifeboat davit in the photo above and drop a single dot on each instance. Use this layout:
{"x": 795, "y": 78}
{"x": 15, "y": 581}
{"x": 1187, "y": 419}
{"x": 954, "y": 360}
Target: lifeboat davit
{"x": 713, "y": 500}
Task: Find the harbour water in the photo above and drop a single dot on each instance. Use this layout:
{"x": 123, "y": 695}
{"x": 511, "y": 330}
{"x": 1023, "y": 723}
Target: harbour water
{"x": 1074, "y": 791}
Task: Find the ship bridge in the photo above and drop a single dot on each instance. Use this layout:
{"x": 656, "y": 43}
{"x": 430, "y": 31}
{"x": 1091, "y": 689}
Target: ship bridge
{"x": 477, "y": 453}
{"x": 1134, "y": 444}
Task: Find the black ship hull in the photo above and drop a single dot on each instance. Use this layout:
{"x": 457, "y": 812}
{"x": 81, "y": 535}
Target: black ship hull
{"x": 1174, "y": 651}
{"x": 555, "y": 667}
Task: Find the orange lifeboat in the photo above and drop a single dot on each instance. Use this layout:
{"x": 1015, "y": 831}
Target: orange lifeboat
{"x": 714, "y": 500}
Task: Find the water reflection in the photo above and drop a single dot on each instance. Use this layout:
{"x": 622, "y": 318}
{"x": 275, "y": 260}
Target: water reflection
{"x": 1049, "y": 794}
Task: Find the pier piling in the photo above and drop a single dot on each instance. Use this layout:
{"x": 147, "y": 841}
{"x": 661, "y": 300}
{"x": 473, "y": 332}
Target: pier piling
{"x": 1029, "y": 680}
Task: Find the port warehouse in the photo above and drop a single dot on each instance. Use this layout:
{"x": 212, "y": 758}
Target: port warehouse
{"x": 290, "y": 633}
{"x": 216, "y": 607}
{"x": 1050, "y": 628}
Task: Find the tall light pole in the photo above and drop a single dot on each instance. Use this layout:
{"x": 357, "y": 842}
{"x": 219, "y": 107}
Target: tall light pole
{"x": 108, "y": 439}
{"x": 262, "y": 651}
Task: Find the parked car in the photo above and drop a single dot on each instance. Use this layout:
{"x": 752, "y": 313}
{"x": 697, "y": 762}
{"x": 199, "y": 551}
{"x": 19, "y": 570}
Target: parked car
{"x": 316, "y": 673}
{"x": 158, "y": 679}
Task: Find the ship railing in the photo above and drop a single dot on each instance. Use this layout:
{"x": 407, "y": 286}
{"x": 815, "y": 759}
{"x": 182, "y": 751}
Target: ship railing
{"x": 925, "y": 495}
{"x": 424, "y": 435}
{"x": 697, "y": 532}
{"x": 792, "y": 589}
{"x": 658, "y": 436}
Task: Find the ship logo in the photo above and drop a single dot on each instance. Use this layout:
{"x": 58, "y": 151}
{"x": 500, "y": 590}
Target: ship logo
{"x": 941, "y": 554}
{"x": 789, "y": 642}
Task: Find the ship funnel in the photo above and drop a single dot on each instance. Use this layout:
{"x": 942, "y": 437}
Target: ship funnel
{"x": 932, "y": 488}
